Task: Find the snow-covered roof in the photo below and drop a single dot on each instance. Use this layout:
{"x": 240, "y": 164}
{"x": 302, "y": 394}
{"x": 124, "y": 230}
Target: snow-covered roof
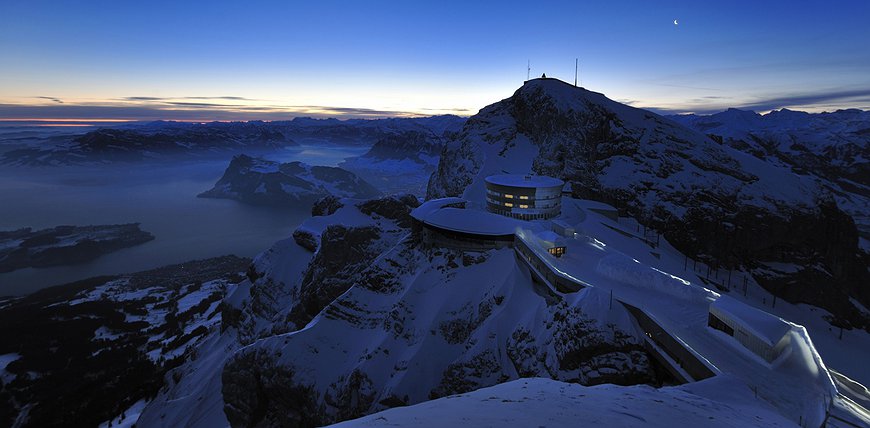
{"x": 520, "y": 180}
{"x": 767, "y": 327}
{"x": 590, "y": 204}
{"x": 429, "y": 206}
{"x": 438, "y": 213}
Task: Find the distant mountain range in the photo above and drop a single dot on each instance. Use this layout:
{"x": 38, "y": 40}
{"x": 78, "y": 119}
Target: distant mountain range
{"x": 834, "y": 147}
{"x": 156, "y": 140}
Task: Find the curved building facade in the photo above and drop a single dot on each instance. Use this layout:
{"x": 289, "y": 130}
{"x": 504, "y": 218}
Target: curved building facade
{"x": 524, "y": 197}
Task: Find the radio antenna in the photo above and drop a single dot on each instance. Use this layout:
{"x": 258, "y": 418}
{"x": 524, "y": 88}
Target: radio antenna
{"x": 576, "y": 60}
{"x": 528, "y": 69}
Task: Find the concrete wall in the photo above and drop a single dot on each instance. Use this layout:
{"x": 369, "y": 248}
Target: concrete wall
{"x": 458, "y": 241}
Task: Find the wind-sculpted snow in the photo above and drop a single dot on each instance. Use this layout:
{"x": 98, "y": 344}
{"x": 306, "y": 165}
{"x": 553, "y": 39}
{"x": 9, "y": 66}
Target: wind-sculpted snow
{"x": 711, "y": 200}
{"x": 621, "y": 268}
{"x": 717, "y": 402}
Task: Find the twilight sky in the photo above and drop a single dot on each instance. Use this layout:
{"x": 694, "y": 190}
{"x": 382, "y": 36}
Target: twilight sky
{"x": 274, "y": 60}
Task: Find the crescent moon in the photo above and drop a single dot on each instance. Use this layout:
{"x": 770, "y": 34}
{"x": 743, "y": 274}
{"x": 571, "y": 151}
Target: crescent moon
{"x": 676, "y": 23}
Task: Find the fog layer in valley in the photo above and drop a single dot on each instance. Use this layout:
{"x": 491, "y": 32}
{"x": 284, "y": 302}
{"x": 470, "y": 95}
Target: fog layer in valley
{"x": 161, "y": 196}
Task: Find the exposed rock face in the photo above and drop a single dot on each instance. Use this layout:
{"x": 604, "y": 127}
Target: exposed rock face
{"x": 261, "y": 182}
{"x": 296, "y": 278}
{"x": 396, "y": 207}
{"x": 413, "y": 324}
{"x": 711, "y": 200}
{"x": 305, "y": 239}
{"x": 65, "y": 245}
{"x": 344, "y": 253}
{"x": 326, "y": 205}
{"x": 262, "y": 393}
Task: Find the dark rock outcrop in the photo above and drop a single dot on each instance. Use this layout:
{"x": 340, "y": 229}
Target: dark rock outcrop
{"x": 344, "y": 253}
{"x": 394, "y": 207}
{"x": 259, "y": 392}
{"x": 325, "y": 206}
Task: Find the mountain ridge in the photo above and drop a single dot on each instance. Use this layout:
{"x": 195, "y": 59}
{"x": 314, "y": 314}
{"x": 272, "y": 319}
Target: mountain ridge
{"x": 711, "y": 200}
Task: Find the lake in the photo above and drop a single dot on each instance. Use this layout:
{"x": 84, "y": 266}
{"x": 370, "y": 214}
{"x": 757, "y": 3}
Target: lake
{"x": 160, "y": 196}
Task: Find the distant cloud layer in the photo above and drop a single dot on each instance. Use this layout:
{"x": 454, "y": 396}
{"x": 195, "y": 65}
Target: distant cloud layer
{"x": 140, "y": 108}
{"x": 57, "y": 100}
{"x": 225, "y": 108}
{"x": 851, "y": 96}
{"x": 815, "y": 101}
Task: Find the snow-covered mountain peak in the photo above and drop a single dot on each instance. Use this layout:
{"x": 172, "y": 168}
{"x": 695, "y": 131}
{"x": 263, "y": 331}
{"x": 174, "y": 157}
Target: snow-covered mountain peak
{"x": 728, "y": 203}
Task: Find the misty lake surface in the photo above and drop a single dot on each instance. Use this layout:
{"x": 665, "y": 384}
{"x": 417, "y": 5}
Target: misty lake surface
{"x": 160, "y": 196}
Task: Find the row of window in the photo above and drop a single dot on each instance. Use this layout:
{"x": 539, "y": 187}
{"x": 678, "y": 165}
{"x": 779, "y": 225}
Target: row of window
{"x": 523, "y": 197}
{"x": 524, "y": 206}
{"x": 509, "y": 204}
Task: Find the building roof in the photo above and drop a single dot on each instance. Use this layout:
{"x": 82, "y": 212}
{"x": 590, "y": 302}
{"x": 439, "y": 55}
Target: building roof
{"x": 766, "y": 326}
{"x": 438, "y": 214}
{"x": 520, "y": 180}
{"x": 420, "y": 213}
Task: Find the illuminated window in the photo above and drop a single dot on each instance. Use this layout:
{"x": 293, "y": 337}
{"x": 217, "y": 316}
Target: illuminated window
{"x": 523, "y": 206}
{"x": 508, "y": 204}
{"x": 524, "y": 197}
{"x": 509, "y": 196}
{"x": 556, "y": 251}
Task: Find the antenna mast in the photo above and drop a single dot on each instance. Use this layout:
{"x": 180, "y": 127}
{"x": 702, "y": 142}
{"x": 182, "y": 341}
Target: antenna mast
{"x": 576, "y": 60}
{"x": 528, "y": 69}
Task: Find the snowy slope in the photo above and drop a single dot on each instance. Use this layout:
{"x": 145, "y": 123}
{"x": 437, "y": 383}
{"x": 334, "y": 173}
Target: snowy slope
{"x": 97, "y": 349}
{"x": 835, "y": 147}
{"x": 717, "y": 402}
{"x": 407, "y": 324}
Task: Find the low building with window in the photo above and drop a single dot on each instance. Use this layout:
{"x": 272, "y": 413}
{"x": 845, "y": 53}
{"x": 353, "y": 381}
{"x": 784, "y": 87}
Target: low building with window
{"x": 524, "y": 197}
{"x": 764, "y": 334}
{"x": 448, "y": 223}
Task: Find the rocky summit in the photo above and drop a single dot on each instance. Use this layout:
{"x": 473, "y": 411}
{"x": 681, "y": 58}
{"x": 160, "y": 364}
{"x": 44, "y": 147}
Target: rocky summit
{"x": 713, "y": 201}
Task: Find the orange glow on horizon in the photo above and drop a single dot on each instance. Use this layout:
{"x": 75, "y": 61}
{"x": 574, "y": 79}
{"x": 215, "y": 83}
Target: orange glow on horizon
{"x": 67, "y": 120}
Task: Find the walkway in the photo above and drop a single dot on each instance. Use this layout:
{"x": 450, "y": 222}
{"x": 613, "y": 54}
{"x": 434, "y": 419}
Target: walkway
{"x": 675, "y": 324}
